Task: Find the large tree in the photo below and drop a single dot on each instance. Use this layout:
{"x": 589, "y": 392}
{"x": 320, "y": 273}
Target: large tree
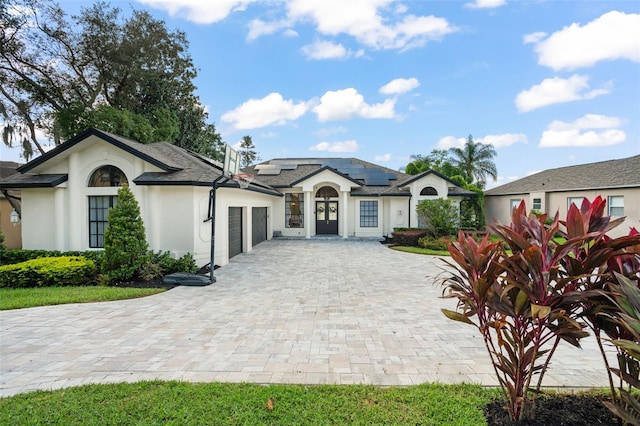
{"x": 130, "y": 75}
{"x": 475, "y": 159}
{"x": 438, "y": 160}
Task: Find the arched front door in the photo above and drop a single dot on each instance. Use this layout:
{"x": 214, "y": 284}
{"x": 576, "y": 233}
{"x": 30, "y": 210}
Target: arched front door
{"x": 327, "y": 211}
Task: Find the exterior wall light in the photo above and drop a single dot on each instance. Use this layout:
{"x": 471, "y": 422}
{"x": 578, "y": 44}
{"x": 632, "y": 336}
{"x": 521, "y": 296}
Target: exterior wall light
{"x": 14, "y": 217}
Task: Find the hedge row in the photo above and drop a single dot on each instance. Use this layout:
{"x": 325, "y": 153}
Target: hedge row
{"x": 8, "y": 257}
{"x": 48, "y": 272}
{"x": 407, "y": 237}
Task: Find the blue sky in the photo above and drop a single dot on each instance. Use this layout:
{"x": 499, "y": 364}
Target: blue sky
{"x": 548, "y": 83}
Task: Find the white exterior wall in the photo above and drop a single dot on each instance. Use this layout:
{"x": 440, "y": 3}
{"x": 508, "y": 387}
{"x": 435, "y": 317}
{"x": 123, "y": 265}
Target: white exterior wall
{"x": 38, "y": 219}
{"x": 439, "y": 184}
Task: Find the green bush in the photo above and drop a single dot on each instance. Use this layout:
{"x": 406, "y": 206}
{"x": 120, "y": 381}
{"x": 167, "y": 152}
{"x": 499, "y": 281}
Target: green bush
{"x": 169, "y": 265}
{"x": 431, "y": 243}
{"x": 48, "y": 272}
{"x": 12, "y": 256}
{"x": 125, "y": 242}
{"x": 440, "y": 216}
{"x": 407, "y": 237}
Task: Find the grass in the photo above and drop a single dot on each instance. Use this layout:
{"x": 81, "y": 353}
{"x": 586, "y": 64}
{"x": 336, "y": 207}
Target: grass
{"x": 419, "y": 250}
{"x": 180, "y": 403}
{"x": 17, "y": 298}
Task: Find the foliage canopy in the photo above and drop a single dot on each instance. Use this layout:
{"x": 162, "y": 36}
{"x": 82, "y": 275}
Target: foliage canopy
{"x": 126, "y": 74}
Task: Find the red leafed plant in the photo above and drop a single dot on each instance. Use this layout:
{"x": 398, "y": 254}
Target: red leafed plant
{"x": 525, "y": 293}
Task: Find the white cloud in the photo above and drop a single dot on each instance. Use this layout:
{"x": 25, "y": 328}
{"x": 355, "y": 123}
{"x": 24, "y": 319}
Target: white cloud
{"x": 498, "y": 141}
{"x": 534, "y": 38}
{"x": 614, "y": 35}
{"x": 399, "y": 85}
{"x": 347, "y": 103}
{"x": 382, "y": 158}
{"x": 450, "y": 142}
{"x": 331, "y": 131}
{"x": 258, "y": 27}
{"x": 505, "y": 139}
{"x": 363, "y": 20}
{"x": 485, "y": 4}
{"x": 201, "y": 12}
{"x": 557, "y": 90}
{"x": 591, "y": 130}
{"x": 325, "y": 50}
{"x": 343, "y": 146}
{"x": 270, "y": 110}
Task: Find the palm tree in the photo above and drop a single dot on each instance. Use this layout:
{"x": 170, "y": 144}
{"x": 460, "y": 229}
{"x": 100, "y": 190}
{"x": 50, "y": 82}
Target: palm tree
{"x": 475, "y": 159}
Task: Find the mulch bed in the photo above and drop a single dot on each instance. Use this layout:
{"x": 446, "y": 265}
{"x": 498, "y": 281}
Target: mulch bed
{"x": 561, "y": 410}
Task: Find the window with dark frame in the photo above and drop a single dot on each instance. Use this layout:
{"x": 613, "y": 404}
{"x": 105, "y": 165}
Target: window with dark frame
{"x": 429, "y": 190}
{"x": 294, "y": 210}
{"x": 368, "y": 214}
{"x": 98, "y": 210}
{"x": 107, "y": 176}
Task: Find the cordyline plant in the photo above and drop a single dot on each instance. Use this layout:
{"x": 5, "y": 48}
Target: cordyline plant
{"x": 625, "y": 297}
{"x": 526, "y": 292}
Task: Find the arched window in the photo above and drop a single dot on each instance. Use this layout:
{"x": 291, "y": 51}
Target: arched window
{"x": 326, "y": 192}
{"x": 108, "y": 176}
{"x": 429, "y": 190}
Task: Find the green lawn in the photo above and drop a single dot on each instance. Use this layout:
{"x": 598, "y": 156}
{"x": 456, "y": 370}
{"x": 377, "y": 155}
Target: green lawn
{"x": 419, "y": 250}
{"x": 179, "y": 403}
{"x": 16, "y": 298}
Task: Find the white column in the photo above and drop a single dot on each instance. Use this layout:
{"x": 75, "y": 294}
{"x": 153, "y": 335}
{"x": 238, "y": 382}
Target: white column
{"x": 77, "y": 207}
{"x": 308, "y": 215}
{"x": 344, "y": 207}
{"x": 60, "y": 228}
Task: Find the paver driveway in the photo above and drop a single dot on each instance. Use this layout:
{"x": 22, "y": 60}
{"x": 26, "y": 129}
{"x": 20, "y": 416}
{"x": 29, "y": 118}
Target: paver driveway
{"x": 302, "y": 311}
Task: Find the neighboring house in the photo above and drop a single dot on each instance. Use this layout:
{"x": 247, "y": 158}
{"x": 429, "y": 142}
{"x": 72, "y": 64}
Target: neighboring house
{"x": 9, "y": 201}
{"x": 66, "y": 194}
{"x": 617, "y": 181}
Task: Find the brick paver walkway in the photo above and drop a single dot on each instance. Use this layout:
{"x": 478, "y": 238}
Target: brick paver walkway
{"x": 302, "y": 311}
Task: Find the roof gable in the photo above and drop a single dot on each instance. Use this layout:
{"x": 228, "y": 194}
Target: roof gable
{"x": 147, "y": 153}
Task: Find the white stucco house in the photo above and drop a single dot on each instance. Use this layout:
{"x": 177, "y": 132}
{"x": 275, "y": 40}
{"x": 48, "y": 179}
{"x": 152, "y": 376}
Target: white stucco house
{"x": 554, "y": 190}
{"x": 67, "y": 192}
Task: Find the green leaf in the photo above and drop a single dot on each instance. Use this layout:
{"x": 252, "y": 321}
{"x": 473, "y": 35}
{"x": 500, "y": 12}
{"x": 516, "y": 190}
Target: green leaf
{"x": 457, "y": 316}
{"x": 539, "y": 311}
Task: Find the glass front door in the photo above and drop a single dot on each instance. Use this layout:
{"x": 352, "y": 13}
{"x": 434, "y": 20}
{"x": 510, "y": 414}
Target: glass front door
{"x": 327, "y": 217}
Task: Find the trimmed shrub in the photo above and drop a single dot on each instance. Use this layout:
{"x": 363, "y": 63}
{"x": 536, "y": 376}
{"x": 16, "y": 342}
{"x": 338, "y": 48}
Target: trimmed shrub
{"x": 169, "y": 265}
{"x": 12, "y": 256}
{"x": 125, "y": 243}
{"x": 407, "y": 237}
{"x": 48, "y": 272}
{"x": 431, "y": 243}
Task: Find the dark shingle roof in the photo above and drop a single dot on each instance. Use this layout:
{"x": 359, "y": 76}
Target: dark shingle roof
{"x": 623, "y": 173}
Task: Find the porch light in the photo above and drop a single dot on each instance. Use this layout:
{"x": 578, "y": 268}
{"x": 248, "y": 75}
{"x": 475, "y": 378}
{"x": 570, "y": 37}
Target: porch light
{"x": 14, "y": 217}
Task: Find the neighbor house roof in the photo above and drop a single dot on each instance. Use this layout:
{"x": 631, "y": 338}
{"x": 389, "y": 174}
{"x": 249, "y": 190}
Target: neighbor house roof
{"x": 623, "y": 173}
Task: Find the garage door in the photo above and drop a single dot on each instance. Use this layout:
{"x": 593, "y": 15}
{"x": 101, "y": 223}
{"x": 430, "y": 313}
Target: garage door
{"x": 235, "y": 231}
{"x": 258, "y": 225}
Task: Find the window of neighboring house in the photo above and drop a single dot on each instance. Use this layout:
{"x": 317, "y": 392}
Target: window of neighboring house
{"x": 574, "y": 200}
{"x": 514, "y": 203}
{"x": 537, "y": 204}
{"x": 368, "y": 214}
{"x": 294, "y": 210}
{"x": 616, "y": 205}
{"x": 429, "y": 190}
{"x": 98, "y": 210}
